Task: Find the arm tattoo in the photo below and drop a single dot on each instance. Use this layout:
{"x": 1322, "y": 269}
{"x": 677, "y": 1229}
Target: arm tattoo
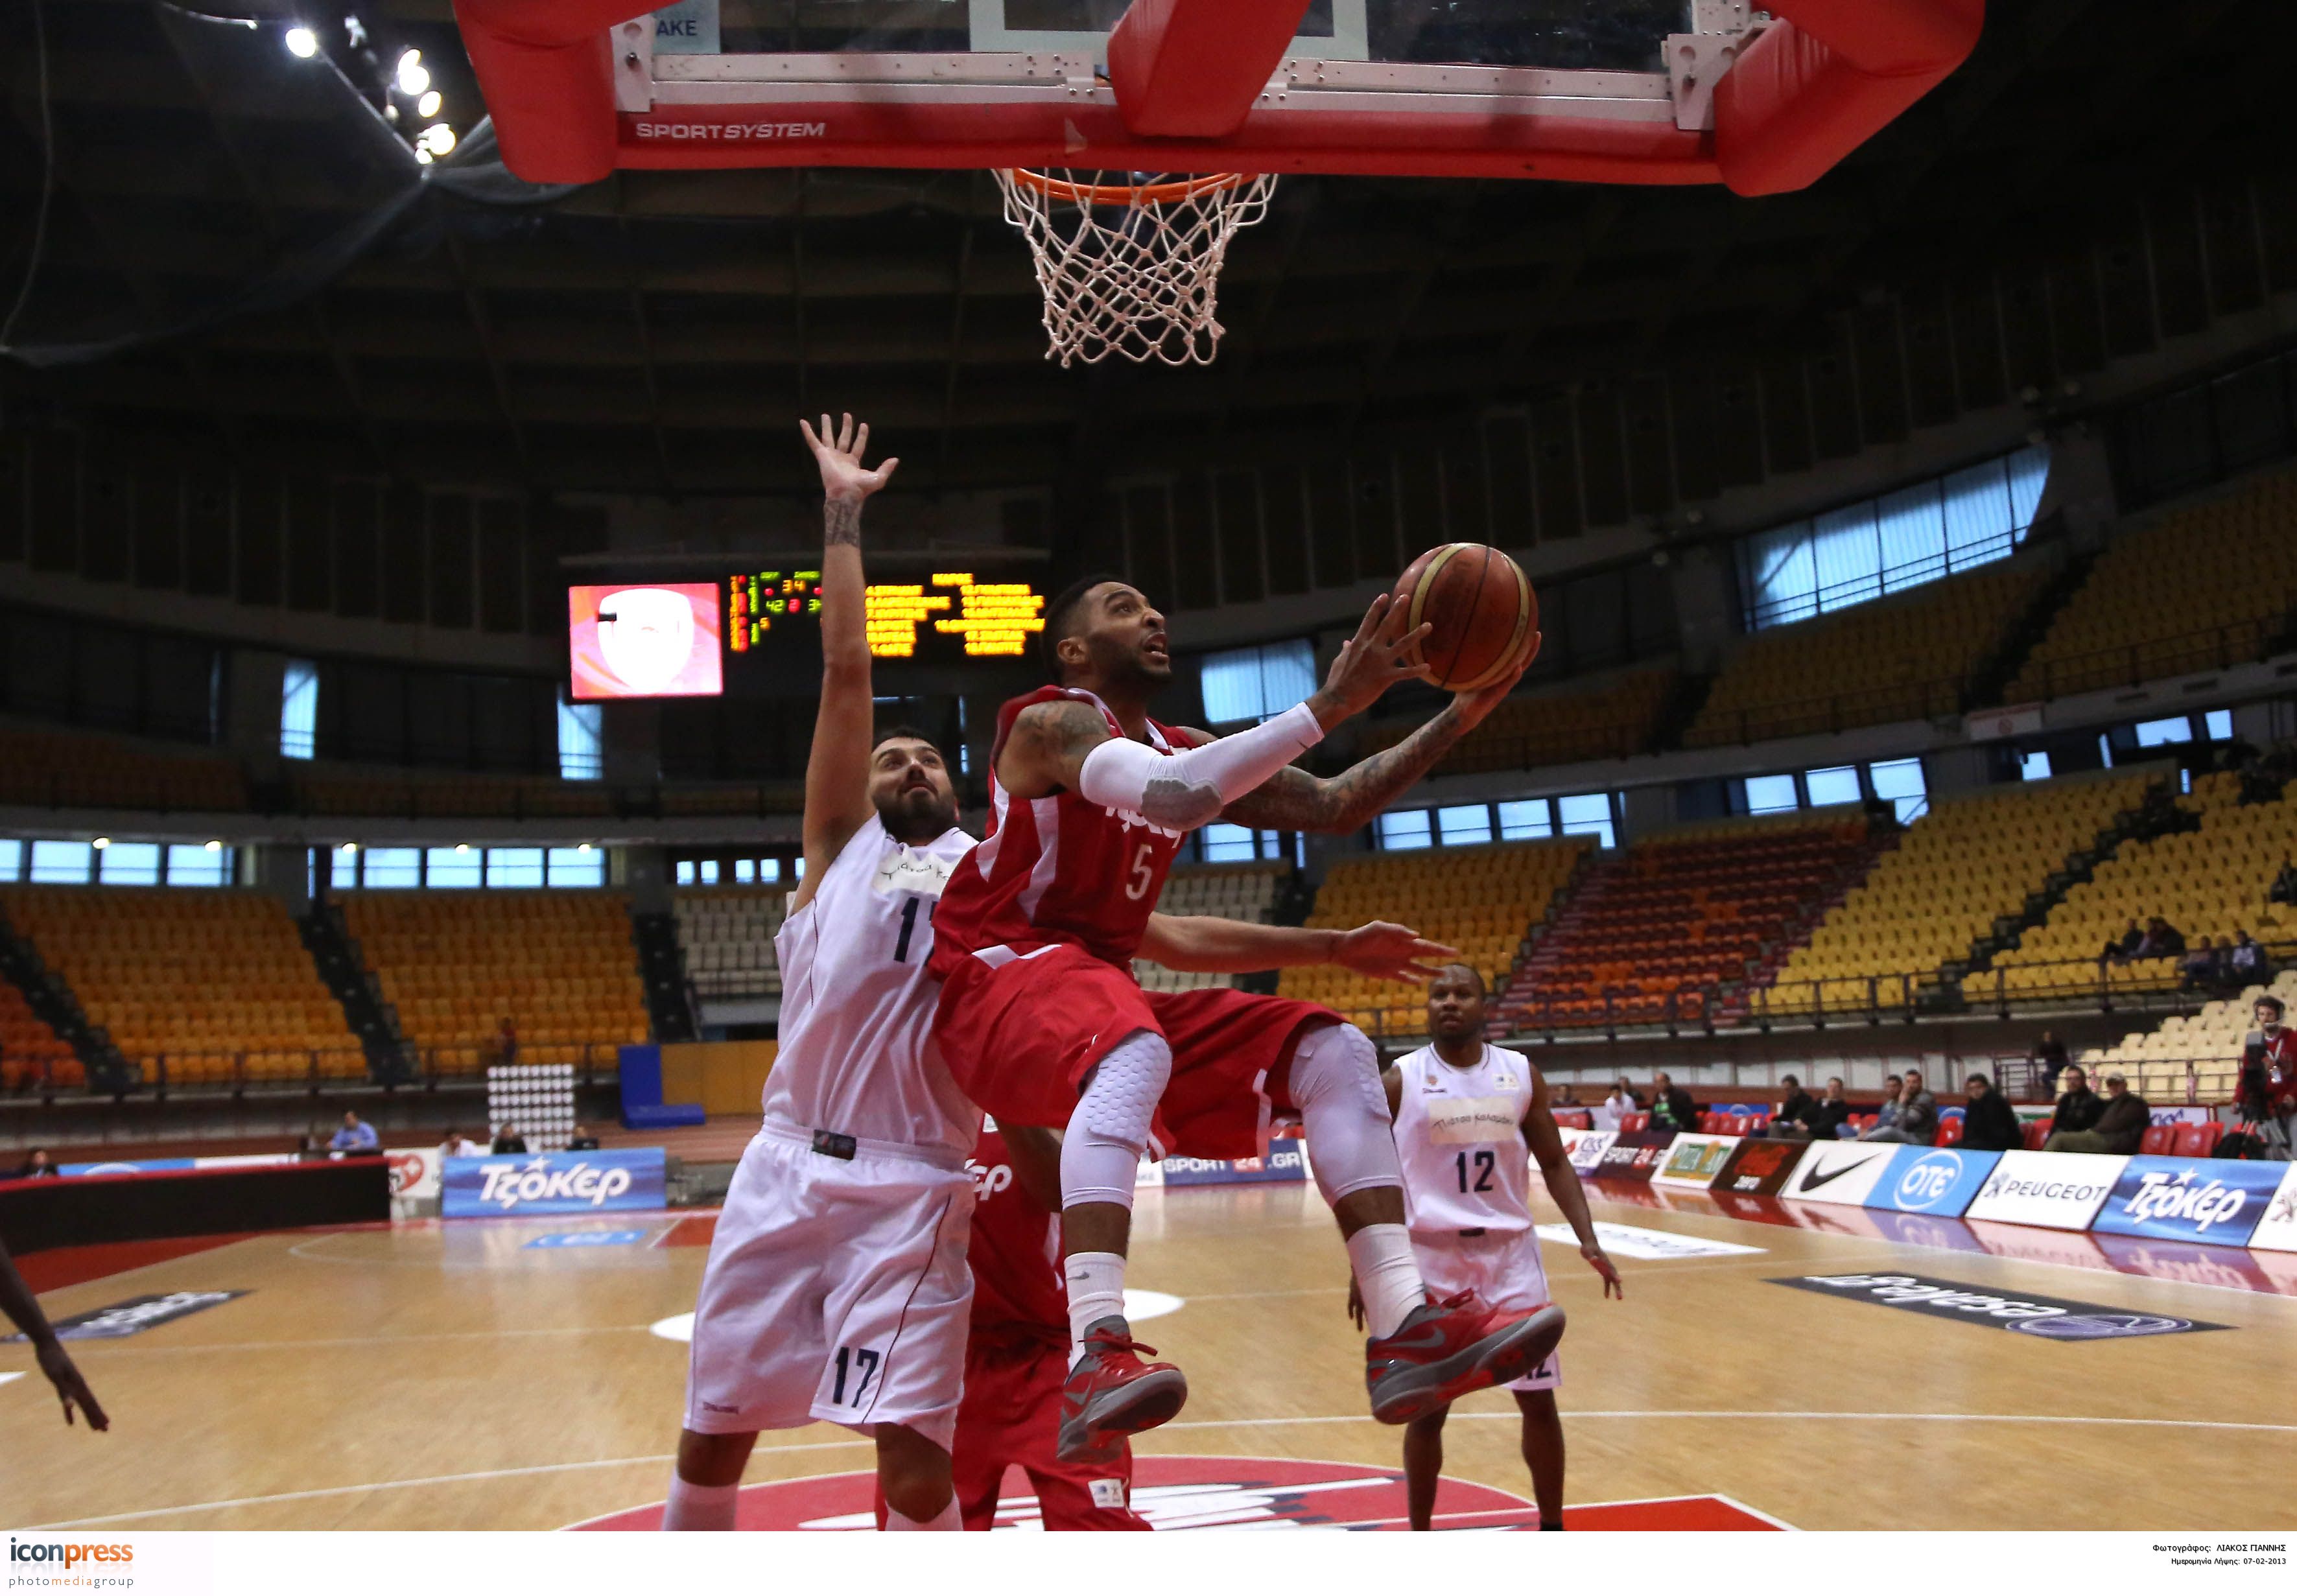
{"x": 1179, "y": 804}
{"x": 841, "y": 523}
{"x": 1295, "y": 800}
{"x": 1057, "y": 733}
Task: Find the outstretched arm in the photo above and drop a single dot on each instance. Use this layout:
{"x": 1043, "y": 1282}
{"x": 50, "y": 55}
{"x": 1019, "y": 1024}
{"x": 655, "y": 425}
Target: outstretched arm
{"x": 1563, "y": 1184}
{"x": 838, "y": 770}
{"x": 1204, "y": 943}
{"x": 23, "y": 1309}
{"x": 1292, "y": 799}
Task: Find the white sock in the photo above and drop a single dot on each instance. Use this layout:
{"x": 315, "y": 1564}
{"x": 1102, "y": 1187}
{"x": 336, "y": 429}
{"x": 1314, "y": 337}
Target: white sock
{"x": 1096, "y": 1282}
{"x": 949, "y": 1518}
{"x": 700, "y": 1507}
{"x": 1387, "y": 1275}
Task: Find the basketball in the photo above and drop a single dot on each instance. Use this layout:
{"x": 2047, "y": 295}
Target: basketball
{"x": 1481, "y": 605}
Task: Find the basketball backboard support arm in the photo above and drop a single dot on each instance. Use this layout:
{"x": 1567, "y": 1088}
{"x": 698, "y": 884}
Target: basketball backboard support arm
{"x": 1763, "y": 102}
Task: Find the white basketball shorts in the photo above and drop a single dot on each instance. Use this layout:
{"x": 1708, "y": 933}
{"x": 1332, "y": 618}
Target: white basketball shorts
{"x": 836, "y": 1289}
{"x": 1502, "y": 1267}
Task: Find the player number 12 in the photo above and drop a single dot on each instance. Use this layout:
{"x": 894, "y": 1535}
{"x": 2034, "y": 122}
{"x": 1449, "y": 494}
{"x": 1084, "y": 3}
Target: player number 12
{"x": 1485, "y": 1164}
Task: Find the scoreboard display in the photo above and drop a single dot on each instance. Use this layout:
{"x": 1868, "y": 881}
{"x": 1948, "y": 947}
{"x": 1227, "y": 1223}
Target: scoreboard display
{"x": 946, "y": 619}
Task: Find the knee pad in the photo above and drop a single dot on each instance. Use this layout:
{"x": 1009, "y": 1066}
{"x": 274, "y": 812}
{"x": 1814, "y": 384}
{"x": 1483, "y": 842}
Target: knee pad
{"x": 1335, "y": 1084}
{"x": 1101, "y": 1154}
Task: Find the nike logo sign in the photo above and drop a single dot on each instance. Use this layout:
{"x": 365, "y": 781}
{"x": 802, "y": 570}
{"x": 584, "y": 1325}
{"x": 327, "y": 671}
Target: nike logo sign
{"x": 1814, "y": 1180}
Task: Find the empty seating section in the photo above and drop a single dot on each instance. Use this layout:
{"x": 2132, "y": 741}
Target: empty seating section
{"x": 2208, "y": 883}
{"x": 342, "y": 792}
{"x": 1481, "y": 900}
{"x": 1227, "y": 892}
{"x": 1659, "y": 932}
{"x": 30, "y": 1053}
{"x": 1552, "y": 729}
{"x": 2203, "y": 587}
{"x": 561, "y": 965}
{"x": 57, "y": 769}
{"x": 728, "y": 936}
{"x": 218, "y": 982}
{"x": 1898, "y": 659}
{"x": 1961, "y": 867}
{"x": 2156, "y": 1062}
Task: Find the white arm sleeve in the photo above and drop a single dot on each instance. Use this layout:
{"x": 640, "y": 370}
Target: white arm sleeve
{"x": 1190, "y": 788}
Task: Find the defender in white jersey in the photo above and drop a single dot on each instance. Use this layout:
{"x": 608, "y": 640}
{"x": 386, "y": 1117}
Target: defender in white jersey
{"x": 1469, "y": 1118}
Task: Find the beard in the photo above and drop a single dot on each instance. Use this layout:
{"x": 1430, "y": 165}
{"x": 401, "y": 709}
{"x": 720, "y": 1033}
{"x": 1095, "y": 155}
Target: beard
{"x": 917, "y": 814}
{"x": 1126, "y": 672}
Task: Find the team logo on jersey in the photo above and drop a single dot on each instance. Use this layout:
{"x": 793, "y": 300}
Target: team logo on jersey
{"x": 1198, "y": 1493}
{"x": 906, "y": 871}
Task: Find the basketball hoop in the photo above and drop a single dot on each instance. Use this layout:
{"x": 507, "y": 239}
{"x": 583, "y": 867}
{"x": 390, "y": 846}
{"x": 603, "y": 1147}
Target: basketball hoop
{"x": 1132, "y": 268}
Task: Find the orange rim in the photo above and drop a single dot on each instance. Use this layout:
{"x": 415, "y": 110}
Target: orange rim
{"x": 1124, "y": 194}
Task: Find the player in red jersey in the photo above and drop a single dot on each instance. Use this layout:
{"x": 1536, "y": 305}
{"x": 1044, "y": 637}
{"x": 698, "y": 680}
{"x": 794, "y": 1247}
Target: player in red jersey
{"x": 1041, "y": 1023}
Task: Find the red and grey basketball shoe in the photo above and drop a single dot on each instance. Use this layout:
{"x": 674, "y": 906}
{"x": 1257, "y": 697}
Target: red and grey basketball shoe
{"x": 1442, "y": 1351}
{"x": 1111, "y": 1393}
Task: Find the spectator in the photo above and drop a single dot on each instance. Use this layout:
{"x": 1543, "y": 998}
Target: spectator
{"x": 1886, "y": 1117}
{"x": 2123, "y": 948}
{"x": 2048, "y": 1057}
{"x": 2201, "y": 973}
{"x": 1988, "y": 1124}
{"x": 583, "y": 1141}
{"x": 1672, "y": 1108}
{"x": 1622, "y": 1101}
{"x": 2077, "y": 1106}
{"x": 356, "y": 1136}
{"x": 2245, "y": 964}
{"x": 39, "y": 1167}
{"x": 2119, "y": 1126}
{"x": 2268, "y": 1078}
{"x": 1567, "y": 1096}
{"x": 2162, "y": 940}
{"x": 1795, "y": 1109}
{"x": 459, "y": 1145}
{"x": 1918, "y": 1116}
{"x": 509, "y": 1141}
{"x": 1833, "y": 1112}
{"x": 507, "y": 1042}
{"x": 2284, "y": 889}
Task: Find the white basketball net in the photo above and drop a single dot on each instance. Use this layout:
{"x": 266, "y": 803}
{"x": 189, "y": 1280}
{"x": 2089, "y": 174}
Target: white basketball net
{"x": 1132, "y": 266}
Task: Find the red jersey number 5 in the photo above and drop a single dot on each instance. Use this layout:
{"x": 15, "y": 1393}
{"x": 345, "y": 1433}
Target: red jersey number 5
{"x": 1136, "y": 886}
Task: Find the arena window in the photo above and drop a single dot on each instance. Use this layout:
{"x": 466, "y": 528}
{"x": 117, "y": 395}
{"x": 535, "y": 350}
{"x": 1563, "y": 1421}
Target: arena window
{"x": 2155, "y": 733}
{"x": 1589, "y": 814}
{"x": 2219, "y": 725}
{"x": 459, "y": 867}
{"x": 580, "y": 734}
{"x": 1863, "y": 551}
{"x": 578, "y": 866}
{"x": 61, "y": 862}
{"x": 1406, "y": 828}
{"x": 514, "y": 867}
{"x": 390, "y": 867}
{"x": 1524, "y": 818}
{"x": 1252, "y": 683}
{"x": 1771, "y": 794}
{"x": 1838, "y": 784}
{"x": 128, "y": 864}
{"x": 1225, "y": 844}
{"x": 2035, "y": 766}
{"x": 298, "y": 710}
{"x": 1463, "y": 824}
{"x": 12, "y": 860}
{"x": 1899, "y": 782}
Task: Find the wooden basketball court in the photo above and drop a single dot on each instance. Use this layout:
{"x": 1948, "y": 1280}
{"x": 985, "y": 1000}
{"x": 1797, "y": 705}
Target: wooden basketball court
{"x": 464, "y": 1377}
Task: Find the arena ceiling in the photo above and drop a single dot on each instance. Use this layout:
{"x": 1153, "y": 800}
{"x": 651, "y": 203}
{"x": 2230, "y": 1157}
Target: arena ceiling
{"x": 653, "y": 333}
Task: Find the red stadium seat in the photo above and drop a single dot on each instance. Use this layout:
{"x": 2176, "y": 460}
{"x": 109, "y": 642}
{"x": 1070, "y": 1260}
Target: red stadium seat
{"x": 1635, "y": 1122}
{"x": 2193, "y": 1141}
{"x": 1949, "y": 1133}
{"x": 2157, "y": 1139}
{"x": 1710, "y": 1122}
{"x": 2038, "y": 1131}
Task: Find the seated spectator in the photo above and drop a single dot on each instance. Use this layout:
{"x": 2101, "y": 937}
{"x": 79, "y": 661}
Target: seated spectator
{"x": 1988, "y": 1124}
{"x": 2048, "y": 1057}
{"x": 2201, "y": 969}
{"x": 356, "y": 1136}
{"x": 1567, "y": 1096}
{"x": 39, "y": 1167}
{"x": 1916, "y": 1120}
{"x": 2119, "y": 1127}
{"x": 1794, "y": 1108}
{"x": 1672, "y": 1108}
{"x": 2077, "y": 1106}
{"x": 1622, "y": 1101}
{"x": 2245, "y": 962}
{"x": 1886, "y": 1117}
{"x": 1833, "y": 1112}
{"x": 2123, "y": 948}
{"x": 583, "y": 1141}
{"x": 2163, "y": 941}
{"x": 2284, "y": 889}
{"x": 509, "y": 1141}
{"x": 456, "y": 1145}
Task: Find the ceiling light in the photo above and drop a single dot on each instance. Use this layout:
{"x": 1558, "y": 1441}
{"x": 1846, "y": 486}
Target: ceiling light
{"x": 461, "y": 847}
{"x": 438, "y": 138}
{"x": 422, "y": 157}
{"x": 103, "y": 842}
{"x": 581, "y": 847}
{"x": 302, "y": 41}
{"x": 214, "y": 846}
{"x": 428, "y": 105}
{"x": 414, "y": 77}
{"x": 350, "y": 847}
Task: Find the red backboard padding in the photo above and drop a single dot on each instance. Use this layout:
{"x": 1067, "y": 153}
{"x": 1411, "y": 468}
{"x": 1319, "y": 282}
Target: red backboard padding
{"x": 1190, "y": 69}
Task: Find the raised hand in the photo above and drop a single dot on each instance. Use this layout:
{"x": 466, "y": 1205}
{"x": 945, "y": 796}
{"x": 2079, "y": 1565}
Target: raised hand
{"x": 1384, "y": 651}
{"x": 838, "y": 452}
{"x": 1390, "y": 952}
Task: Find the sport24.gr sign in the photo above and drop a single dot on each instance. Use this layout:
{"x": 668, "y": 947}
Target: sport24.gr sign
{"x": 625, "y": 1178}
{"x": 1936, "y": 1181}
{"x": 2190, "y": 1199}
{"x": 1284, "y": 1162}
